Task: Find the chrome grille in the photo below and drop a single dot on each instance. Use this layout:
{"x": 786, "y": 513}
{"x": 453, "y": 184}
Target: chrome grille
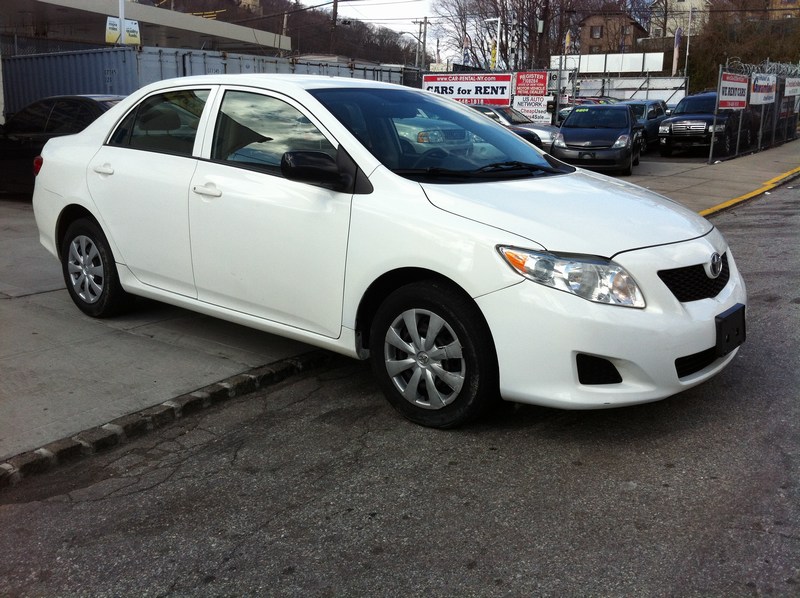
{"x": 689, "y": 127}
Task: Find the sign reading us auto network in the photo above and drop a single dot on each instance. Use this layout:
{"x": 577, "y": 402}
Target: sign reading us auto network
{"x": 471, "y": 89}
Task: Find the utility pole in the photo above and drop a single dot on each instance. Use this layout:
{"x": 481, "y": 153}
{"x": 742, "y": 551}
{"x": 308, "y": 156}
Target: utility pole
{"x": 333, "y": 25}
{"x": 421, "y": 39}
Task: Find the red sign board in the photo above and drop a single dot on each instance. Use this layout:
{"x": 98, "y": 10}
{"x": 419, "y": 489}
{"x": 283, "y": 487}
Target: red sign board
{"x": 531, "y": 84}
{"x": 471, "y": 89}
{"x": 733, "y": 91}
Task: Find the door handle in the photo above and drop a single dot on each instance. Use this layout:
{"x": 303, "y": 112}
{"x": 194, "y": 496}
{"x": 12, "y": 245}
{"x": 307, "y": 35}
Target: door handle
{"x": 208, "y": 191}
{"x": 104, "y": 169}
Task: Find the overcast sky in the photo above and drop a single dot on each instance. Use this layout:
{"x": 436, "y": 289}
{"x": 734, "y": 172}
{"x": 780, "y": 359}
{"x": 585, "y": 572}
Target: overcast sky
{"x": 395, "y": 14}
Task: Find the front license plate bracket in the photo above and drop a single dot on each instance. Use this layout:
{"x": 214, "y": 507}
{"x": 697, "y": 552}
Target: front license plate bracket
{"x": 731, "y": 330}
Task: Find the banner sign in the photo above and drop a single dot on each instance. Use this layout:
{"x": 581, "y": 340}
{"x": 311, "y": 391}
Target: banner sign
{"x": 792, "y": 87}
{"x": 132, "y": 36}
{"x": 531, "y": 84}
{"x": 471, "y": 89}
{"x": 763, "y": 89}
{"x": 530, "y": 95}
{"x": 733, "y": 91}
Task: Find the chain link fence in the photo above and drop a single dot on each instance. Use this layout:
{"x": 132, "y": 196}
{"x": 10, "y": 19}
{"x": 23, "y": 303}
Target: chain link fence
{"x": 767, "y": 107}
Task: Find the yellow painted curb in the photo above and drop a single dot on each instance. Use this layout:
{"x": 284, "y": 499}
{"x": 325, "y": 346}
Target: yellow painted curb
{"x": 768, "y": 185}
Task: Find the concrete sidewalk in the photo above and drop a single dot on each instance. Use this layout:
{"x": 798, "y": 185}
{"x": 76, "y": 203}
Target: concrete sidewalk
{"x": 63, "y": 373}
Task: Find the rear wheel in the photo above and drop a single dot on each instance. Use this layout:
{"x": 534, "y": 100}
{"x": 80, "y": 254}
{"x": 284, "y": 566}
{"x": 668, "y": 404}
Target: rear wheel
{"x": 433, "y": 355}
{"x": 89, "y": 270}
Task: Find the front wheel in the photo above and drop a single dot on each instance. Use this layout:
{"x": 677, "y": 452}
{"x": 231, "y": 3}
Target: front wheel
{"x": 89, "y": 270}
{"x": 433, "y": 355}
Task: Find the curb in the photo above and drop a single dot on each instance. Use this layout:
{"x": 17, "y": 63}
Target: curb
{"x": 767, "y": 186}
{"x": 136, "y": 425}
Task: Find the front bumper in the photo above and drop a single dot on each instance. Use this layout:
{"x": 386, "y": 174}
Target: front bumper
{"x": 539, "y": 333}
{"x": 700, "y": 140}
{"x": 595, "y": 159}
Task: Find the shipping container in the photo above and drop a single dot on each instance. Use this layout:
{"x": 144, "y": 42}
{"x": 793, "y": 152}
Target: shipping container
{"x": 123, "y": 70}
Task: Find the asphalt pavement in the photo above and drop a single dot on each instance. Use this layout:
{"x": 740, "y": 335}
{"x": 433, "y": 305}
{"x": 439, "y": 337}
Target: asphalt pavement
{"x": 72, "y": 385}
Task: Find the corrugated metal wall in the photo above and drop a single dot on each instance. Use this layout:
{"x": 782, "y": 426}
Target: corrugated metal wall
{"x": 124, "y": 70}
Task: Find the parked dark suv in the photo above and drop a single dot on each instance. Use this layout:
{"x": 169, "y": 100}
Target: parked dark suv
{"x": 692, "y": 124}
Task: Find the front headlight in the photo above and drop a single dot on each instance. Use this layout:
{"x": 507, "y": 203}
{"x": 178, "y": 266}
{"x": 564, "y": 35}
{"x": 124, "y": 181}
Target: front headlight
{"x": 592, "y": 278}
{"x": 663, "y": 129}
{"x": 716, "y": 128}
{"x": 622, "y": 141}
{"x": 558, "y": 140}
{"x": 430, "y": 137}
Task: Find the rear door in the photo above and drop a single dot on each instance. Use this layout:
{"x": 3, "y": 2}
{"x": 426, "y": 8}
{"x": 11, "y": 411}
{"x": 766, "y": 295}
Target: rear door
{"x": 140, "y": 183}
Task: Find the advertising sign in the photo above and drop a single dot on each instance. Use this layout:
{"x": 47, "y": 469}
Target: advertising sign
{"x": 733, "y": 91}
{"x": 792, "y": 87}
{"x": 531, "y": 84}
{"x": 471, "y": 89}
{"x": 530, "y": 95}
{"x": 763, "y": 89}
{"x": 131, "y": 32}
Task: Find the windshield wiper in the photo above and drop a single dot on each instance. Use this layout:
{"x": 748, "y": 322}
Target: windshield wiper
{"x": 516, "y": 165}
{"x": 434, "y": 172}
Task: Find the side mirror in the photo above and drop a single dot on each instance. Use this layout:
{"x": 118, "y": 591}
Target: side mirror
{"x": 314, "y": 168}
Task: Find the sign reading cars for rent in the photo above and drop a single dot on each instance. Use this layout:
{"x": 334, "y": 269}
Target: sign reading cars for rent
{"x": 471, "y": 89}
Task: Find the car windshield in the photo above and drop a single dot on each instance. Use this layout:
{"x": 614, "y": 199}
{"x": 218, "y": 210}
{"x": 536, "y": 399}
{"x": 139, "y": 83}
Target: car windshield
{"x": 704, "y": 105}
{"x": 425, "y": 137}
{"x": 596, "y": 117}
{"x": 514, "y": 116}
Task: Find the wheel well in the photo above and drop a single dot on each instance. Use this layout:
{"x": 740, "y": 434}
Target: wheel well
{"x": 384, "y": 286}
{"x": 69, "y": 215}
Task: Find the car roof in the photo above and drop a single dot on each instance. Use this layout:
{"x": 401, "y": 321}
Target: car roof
{"x": 275, "y": 81}
{"x": 86, "y": 96}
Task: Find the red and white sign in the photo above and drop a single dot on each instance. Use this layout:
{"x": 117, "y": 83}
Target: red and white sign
{"x": 733, "y": 91}
{"x": 531, "y": 84}
{"x": 792, "y": 87}
{"x": 764, "y": 89}
{"x": 471, "y": 89}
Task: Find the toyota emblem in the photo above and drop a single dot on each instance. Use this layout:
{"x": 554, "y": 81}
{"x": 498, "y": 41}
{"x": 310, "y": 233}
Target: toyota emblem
{"x": 716, "y": 265}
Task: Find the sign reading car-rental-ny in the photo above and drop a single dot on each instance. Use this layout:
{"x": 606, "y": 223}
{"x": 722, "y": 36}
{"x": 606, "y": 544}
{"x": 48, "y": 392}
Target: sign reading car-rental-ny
{"x": 471, "y": 89}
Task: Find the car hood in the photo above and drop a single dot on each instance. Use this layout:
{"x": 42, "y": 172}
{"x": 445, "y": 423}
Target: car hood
{"x": 591, "y": 137}
{"x": 575, "y": 213}
{"x": 693, "y": 116}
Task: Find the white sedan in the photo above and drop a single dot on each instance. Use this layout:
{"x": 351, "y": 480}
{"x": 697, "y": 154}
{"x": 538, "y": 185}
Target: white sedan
{"x": 291, "y": 204}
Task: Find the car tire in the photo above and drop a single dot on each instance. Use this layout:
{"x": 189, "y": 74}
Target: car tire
{"x": 628, "y": 170}
{"x": 636, "y": 157}
{"x": 90, "y": 272}
{"x": 643, "y": 144}
{"x": 439, "y": 382}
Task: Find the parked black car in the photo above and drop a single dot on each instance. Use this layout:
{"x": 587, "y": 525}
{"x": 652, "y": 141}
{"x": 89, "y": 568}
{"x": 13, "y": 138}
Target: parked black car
{"x": 650, "y": 114}
{"x": 692, "y": 124}
{"x": 600, "y": 137}
{"x": 23, "y": 136}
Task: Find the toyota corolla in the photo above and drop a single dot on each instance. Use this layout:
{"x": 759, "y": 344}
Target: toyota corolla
{"x": 292, "y": 204}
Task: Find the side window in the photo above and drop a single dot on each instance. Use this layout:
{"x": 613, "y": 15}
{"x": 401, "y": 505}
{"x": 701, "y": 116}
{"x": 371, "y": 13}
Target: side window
{"x": 32, "y": 119}
{"x": 254, "y": 130}
{"x": 165, "y": 122}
